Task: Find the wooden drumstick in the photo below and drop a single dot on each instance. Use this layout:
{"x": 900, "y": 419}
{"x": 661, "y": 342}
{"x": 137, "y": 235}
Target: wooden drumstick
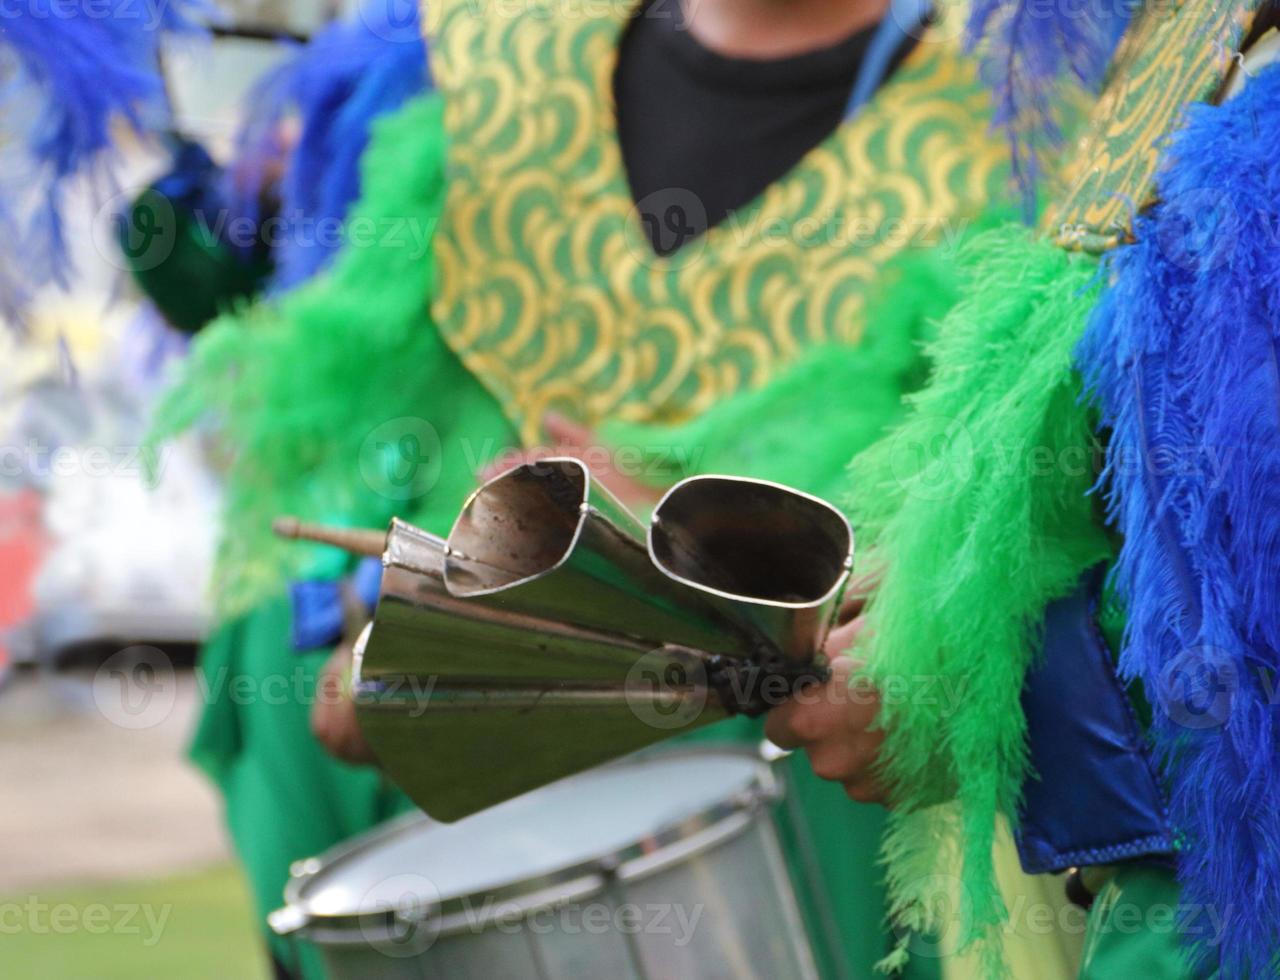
{"x": 358, "y": 541}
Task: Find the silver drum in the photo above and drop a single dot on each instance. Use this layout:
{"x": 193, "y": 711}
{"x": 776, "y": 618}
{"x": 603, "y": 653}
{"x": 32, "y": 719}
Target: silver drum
{"x": 665, "y": 867}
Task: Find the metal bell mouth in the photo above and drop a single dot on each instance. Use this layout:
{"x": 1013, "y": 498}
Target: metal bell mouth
{"x": 517, "y": 527}
{"x": 752, "y": 541}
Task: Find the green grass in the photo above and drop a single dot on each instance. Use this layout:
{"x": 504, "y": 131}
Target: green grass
{"x": 194, "y": 926}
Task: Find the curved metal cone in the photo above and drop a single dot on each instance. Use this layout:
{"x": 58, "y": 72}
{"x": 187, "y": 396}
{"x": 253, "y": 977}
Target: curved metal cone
{"x": 551, "y": 632}
{"x": 467, "y": 704}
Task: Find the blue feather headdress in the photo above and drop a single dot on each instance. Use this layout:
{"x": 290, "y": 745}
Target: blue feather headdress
{"x": 336, "y": 85}
{"x": 66, "y": 79}
{"x": 1183, "y": 358}
{"x": 1027, "y": 51}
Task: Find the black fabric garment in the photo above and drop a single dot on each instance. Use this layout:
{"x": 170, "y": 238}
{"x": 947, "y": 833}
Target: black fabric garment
{"x": 702, "y": 134}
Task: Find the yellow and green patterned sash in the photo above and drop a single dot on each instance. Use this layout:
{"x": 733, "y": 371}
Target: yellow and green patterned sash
{"x": 1175, "y": 53}
{"x": 548, "y": 289}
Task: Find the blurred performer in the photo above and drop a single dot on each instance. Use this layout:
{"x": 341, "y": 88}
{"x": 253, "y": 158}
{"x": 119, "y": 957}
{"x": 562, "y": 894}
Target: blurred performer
{"x": 177, "y": 244}
{"x": 608, "y": 217}
{"x": 1139, "y": 745}
{"x": 200, "y": 241}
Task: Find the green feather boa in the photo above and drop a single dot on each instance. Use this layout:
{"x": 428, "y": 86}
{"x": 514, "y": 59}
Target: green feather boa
{"x": 976, "y": 511}
{"x": 340, "y": 401}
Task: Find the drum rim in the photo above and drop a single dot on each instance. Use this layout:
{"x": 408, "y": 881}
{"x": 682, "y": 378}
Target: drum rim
{"x": 478, "y": 910}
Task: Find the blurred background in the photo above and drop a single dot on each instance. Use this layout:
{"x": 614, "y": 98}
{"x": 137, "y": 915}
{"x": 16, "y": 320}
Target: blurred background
{"x": 105, "y": 556}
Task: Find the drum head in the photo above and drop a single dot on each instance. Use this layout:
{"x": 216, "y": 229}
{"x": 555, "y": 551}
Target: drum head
{"x": 593, "y": 817}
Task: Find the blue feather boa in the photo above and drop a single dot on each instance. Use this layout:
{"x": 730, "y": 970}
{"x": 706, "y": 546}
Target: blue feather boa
{"x": 1182, "y": 356}
{"x": 1027, "y": 50}
{"x": 71, "y": 73}
{"x": 350, "y": 73}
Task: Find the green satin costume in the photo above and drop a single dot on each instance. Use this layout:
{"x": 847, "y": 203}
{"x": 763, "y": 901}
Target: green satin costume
{"x": 1132, "y": 928}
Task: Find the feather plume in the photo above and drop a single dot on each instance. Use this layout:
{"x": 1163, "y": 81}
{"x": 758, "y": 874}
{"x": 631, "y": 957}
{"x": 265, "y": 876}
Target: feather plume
{"x": 1183, "y": 358}
{"x": 315, "y": 387}
{"x": 1029, "y": 51}
{"x": 66, "y": 80}
{"x": 976, "y": 508}
{"x": 350, "y": 73}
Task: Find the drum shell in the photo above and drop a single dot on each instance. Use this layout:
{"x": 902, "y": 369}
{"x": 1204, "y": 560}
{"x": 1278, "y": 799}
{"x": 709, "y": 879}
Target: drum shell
{"x": 715, "y": 904}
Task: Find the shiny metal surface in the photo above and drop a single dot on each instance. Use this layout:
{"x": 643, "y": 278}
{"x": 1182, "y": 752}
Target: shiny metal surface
{"x": 686, "y": 833}
{"x": 484, "y": 679}
{"x": 546, "y": 539}
{"x": 553, "y": 621}
{"x": 770, "y": 555}
{"x": 424, "y": 629}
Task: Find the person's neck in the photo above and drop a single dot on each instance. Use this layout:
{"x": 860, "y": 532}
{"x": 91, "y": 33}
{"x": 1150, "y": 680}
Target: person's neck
{"x": 777, "y": 28}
